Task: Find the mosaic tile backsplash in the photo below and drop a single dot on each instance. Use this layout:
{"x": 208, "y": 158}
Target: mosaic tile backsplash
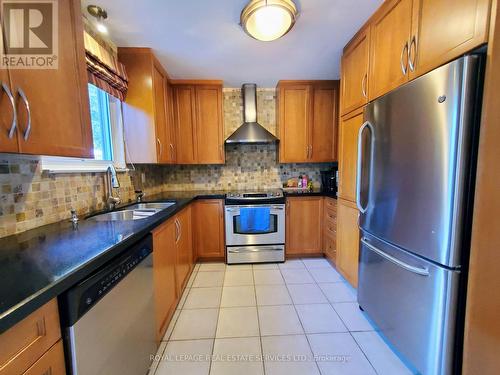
{"x": 30, "y": 197}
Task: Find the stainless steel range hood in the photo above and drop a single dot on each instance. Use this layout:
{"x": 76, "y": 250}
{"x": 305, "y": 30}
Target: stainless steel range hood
{"x": 250, "y": 131}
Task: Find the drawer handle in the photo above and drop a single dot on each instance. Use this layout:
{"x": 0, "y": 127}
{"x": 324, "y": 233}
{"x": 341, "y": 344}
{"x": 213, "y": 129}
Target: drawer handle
{"x": 41, "y": 327}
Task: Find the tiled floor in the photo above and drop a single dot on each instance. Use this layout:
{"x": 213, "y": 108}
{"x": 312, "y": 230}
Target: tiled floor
{"x": 299, "y": 317}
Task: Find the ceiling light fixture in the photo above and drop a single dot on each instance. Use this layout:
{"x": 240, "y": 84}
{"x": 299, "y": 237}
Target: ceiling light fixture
{"x": 268, "y": 20}
{"x": 100, "y": 14}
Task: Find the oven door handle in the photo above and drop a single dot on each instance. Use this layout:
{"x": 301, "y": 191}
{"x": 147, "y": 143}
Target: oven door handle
{"x": 253, "y": 249}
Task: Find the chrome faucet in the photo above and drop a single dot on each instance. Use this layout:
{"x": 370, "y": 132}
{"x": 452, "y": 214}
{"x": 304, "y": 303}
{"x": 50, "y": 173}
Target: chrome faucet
{"x": 112, "y": 183}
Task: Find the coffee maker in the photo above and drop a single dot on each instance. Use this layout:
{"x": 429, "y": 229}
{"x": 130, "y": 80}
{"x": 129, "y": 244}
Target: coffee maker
{"x": 329, "y": 180}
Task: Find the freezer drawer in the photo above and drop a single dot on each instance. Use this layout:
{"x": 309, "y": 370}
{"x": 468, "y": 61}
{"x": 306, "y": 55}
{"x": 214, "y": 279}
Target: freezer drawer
{"x": 412, "y": 302}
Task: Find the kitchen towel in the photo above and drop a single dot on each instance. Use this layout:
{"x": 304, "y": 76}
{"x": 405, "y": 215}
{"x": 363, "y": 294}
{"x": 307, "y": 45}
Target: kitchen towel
{"x": 255, "y": 219}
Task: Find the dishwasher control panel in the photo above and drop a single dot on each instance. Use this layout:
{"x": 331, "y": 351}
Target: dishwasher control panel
{"x": 79, "y": 299}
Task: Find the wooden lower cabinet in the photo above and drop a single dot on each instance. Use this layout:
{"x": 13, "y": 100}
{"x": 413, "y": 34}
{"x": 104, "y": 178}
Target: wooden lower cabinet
{"x": 330, "y": 229}
{"x": 51, "y": 363}
{"x": 164, "y": 261}
{"x": 209, "y": 229}
{"x": 184, "y": 248}
{"x": 348, "y": 241}
{"x": 303, "y": 226}
{"x": 25, "y": 343}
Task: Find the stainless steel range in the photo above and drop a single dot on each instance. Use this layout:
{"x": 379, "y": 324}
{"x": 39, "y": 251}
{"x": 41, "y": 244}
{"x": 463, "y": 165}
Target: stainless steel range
{"x": 255, "y": 227}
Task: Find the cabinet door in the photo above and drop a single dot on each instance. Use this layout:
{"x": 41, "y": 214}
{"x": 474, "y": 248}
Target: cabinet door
{"x": 184, "y": 245}
{"x": 184, "y": 101}
{"x": 170, "y": 133}
{"x": 209, "y": 229}
{"x": 354, "y": 72}
{"x": 58, "y": 98}
{"x": 160, "y": 118}
{"x": 348, "y": 241}
{"x": 323, "y": 132}
{"x": 8, "y": 136}
{"x": 209, "y": 125}
{"x": 445, "y": 29}
{"x": 390, "y": 38}
{"x": 294, "y": 103}
{"x": 303, "y": 225}
{"x": 164, "y": 260}
{"x": 348, "y": 154}
{"x": 51, "y": 363}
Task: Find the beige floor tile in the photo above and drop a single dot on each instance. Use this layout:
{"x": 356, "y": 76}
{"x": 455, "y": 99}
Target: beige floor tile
{"x": 272, "y": 295}
{"x": 319, "y": 318}
{"x": 266, "y": 266}
{"x": 204, "y": 267}
{"x": 379, "y": 354}
{"x": 186, "y": 357}
{"x": 208, "y": 279}
{"x": 288, "y": 355}
{"x": 195, "y": 324}
{"x": 297, "y": 276}
{"x": 352, "y": 316}
{"x": 292, "y": 264}
{"x": 316, "y": 263}
{"x": 338, "y": 353}
{"x": 239, "y": 267}
{"x": 240, "y": 356}
{"x": 171, "y": 325}
{"x": 306, "y": 293}
{"x": 325, "y": 275}
{"x": 267, "y": 277}
{"x": 199, "y": 298}
{"x": 237, "y": 322}
{"x": 338, "y": 292}
{"x": 238, "y": 277}
{"x": 279, "y": 320}
{"x": 238, "y": 296}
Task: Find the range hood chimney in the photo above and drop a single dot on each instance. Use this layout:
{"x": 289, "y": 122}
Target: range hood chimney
{"x": 250, "y": 132}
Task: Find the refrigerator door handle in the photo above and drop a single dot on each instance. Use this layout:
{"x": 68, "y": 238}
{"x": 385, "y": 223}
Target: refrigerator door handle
{"x": 419, "y": 271}
{"x": 359, "y": 164}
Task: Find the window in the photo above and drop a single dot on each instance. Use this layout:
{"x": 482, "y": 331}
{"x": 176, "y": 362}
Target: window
{"x": 107, "y": 134}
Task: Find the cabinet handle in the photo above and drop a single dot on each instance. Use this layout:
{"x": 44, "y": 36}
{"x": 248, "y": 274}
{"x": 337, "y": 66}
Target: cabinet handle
{"x": 14, "y": 112}
{"x": 404, "y": 67}
{"x": 363, "y": 85}
{"x": 413, "y": 45}
{"x": 311, "y": 151}
{"x": 178, "y": 230}
{"x": 27, "y": 105}
{"x": 221, "y": 152}
{"x": 160, "y": 146}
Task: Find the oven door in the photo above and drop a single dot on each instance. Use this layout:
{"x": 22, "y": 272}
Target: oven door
{"x": 258, "y": 224}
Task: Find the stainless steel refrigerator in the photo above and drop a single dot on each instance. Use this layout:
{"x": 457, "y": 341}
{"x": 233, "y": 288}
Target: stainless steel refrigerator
{"x": 416, "y": 164}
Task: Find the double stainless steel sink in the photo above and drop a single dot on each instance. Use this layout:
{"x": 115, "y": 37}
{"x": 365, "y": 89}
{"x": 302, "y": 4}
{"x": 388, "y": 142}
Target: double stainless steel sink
{"x": 134, "y": 212}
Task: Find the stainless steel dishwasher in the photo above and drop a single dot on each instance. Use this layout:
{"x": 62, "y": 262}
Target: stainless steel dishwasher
{"x": 109, "y": 317}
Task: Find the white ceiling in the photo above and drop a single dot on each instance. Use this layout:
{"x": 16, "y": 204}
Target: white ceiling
{"x": 203, "y": 39}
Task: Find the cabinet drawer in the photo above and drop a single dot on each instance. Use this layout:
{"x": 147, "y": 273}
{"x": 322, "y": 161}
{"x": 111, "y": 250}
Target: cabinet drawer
{"x": 51, "y": 363}
{"x": 331, "y": 247}
{"x": 331, "y": 228}
{"x": 331, "y": 204}
{"x": 330, "y": 217}
{"x": 23, "y": 344}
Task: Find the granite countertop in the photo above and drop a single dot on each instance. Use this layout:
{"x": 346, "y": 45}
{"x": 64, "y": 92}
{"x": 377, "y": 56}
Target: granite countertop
{"x": 314, "y": 192}
{"x": 38, "y": 265}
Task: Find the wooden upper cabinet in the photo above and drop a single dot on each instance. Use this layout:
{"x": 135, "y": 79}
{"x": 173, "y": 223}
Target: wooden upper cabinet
{"x": 323, "y": 132}
{"x": 354, "y": 72}
{"x": 446, "y": 29}
{"x": 208, "y": 217}
{"x": 8, "y": 137}
{"x": 209, "y": 124}
{"x": 294, "y": 112}
{"x": 307, "y": 114}
{"x": 348, "y": 154}
{"x": 199, "y": 122}
{"x": 53, "y": 115}
{"x": 164, "y": 263}
{"x": 348, "y": 241}
{"x": 304, "y": 217}
{"x": 390, "y": 39}
{"x": 185, "y": 117}
{"x": 148, "y": 133}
